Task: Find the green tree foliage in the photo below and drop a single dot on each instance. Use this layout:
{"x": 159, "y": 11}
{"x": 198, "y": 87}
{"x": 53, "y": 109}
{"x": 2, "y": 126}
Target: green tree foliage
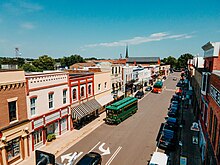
{"x": 12, "y": 61}
{"x": 172, "y": 61}
{"x": 68, "y": 61}
{"x": 182, "y": 60}
{"x": 30, "y": 68}
{"x": 91, "y": 58}
{"x": 44, "y": 63}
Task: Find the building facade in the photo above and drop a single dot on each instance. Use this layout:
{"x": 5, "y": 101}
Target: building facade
{"x": 48, "y": 101}
{"x": 14, "y": 123}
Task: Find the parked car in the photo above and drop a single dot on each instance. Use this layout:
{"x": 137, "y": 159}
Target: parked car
{"x": 168, "y": 140}
{"x": 91, "y": 158}
{"x": 172, "y": 113}
{"x": 139, "y": 94}
{"x": 172, "y": 121}
{"x": 148, "y": 88}
{"x": 176, "y": 98}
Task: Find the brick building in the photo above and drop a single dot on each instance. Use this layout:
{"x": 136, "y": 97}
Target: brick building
{"x": 209, "y": 119}
{"x": 14, "y": 123}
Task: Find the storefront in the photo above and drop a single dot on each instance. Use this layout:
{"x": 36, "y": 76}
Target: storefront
{"x": 14, "y": 143}
{"x": 55, "y": 123}
{"x": 85, "y": 112}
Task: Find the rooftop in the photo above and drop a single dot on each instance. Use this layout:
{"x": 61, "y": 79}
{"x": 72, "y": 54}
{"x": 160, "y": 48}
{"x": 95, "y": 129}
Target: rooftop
{"x": 143, "y": 59}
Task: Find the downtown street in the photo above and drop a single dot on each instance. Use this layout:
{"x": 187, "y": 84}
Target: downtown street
{"x": 132, "y": 141}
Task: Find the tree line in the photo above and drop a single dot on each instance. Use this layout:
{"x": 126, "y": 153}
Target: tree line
{"x": 178, "y": 63}
{"x": 46, "y": 62}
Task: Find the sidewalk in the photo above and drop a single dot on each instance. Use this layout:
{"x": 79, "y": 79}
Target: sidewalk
{"x": 64, "y": 142}
{"x": 189, "y": 152}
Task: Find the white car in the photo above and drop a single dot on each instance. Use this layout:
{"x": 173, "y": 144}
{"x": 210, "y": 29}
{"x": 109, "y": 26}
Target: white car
{"x": 158, "y": 158}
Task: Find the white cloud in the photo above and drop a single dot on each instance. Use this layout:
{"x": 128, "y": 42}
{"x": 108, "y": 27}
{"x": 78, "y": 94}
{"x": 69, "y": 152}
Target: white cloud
{"x": 27, "y": 25}
{"x": 21, "y": 7}
{"x": 139, "y": 40}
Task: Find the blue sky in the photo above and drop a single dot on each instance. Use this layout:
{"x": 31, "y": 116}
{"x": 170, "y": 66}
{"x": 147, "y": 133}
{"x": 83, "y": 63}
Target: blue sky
{"x": 102, "y": 28}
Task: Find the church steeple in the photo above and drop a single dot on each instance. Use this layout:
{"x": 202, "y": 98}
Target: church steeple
{"x": 126, "y": 53}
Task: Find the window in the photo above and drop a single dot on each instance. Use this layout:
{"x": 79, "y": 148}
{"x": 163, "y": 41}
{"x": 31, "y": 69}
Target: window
{"x": 214, "y": 130}
{"x": 204, "y": 83}
{"x": 119, "y": 69}
{"x": 99, "y": 87}
{"x": 33, "y": 105}
{"x": 37, "y": 136}
{"x": 50, "y": 97}
{"x": 210, "y": 121}
{"x": 89, "y": 90}
{"x": 105, "y": 85}
{"x": 13, "y": 148}
{"x": 74, "y": 94}
{"x": 112, "y": 70}
{"x": 12, "y": 106}
{"x": 116, "y": 70}
{"x": 82, "y": 92}
{"x": 218, "y": 149}
{"x": 64, "y": 96}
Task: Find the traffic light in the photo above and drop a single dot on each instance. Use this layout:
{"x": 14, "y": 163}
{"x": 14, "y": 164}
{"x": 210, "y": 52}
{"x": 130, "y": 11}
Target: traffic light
{"x": 44, "y": 158}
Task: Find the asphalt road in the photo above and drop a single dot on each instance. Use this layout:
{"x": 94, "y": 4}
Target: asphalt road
{"x": 132, "y": 141}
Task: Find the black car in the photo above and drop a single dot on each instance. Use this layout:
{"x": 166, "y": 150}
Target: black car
{"x": 149, "y": 88}
{"x": 139, "y": 94}
{"x": 176, "y": 98}
{"x": 172, "y": 113}
{"x": 167, "y": 140}
{"x": 91, "y": 158}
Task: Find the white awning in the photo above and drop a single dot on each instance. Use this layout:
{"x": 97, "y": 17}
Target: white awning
{"x": 105, "y": 99}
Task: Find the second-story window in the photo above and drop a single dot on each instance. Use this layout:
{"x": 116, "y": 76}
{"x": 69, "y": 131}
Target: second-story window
{"x": 105, "y": 85}
{"x": 74, "y": 94}
{"x": 116, "y": 70}
{"x": 112, "y": 70}
{"x": 119, "y": 69}
{"x": 64, "y": 96}
{"x": 33, "y": 105}
{"x": 12, "y": 107}
{"x": 50, "y": 98}
{"x": 99, "y": 87}
{"x": 82, "y": 92}
{"x": 89, "y": 90}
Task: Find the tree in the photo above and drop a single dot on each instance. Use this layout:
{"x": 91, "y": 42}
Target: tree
{"x": 172, "y": 61}
{"x": 183, "y": 59}
{"x": 68, "y": 61}
{"x": 44, "y": 63}
{"x": 29, "y": 68}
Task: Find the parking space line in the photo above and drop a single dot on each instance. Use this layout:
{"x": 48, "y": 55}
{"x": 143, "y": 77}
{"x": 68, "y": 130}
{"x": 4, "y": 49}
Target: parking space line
{"x": 114, "y": 155}
{"x": 94, "y": 146}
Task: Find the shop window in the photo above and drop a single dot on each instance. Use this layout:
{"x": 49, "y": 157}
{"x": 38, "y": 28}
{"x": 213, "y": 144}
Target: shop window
{"x": 64, "y": 96}
{"x": 12, "y": 106}
{"x": 90, "y": 90}
{"x": 33, "y": 106}
{"x": 50, "y": 97}
{"x": 82, "y": 92}
{"x": 74, "y": 94}
{"x": 37, "y": 136}
{"x": 13, "y": 148}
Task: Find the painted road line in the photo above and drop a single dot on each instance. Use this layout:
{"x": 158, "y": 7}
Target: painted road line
{"x": 173, "y": 90}
{"x": 94, "y": 147}
{"x": 114, "y": 155}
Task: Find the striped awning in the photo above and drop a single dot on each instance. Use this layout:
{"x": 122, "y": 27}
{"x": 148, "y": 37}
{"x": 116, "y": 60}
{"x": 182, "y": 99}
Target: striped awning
{"x": 86, "y": 108}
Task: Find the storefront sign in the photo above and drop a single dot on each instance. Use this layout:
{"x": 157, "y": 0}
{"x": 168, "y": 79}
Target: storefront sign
{"x": 215, "y": 94}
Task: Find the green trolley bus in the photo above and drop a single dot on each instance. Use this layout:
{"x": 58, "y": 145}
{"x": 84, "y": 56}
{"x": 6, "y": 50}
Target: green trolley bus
{"x": 120, "y": 110}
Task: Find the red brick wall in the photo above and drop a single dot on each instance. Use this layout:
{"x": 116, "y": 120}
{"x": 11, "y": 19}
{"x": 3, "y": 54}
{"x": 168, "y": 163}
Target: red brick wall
{"x": 215, "y": 81}
{"x": 216, "y": 63}
{"x": 21, "y": 104}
